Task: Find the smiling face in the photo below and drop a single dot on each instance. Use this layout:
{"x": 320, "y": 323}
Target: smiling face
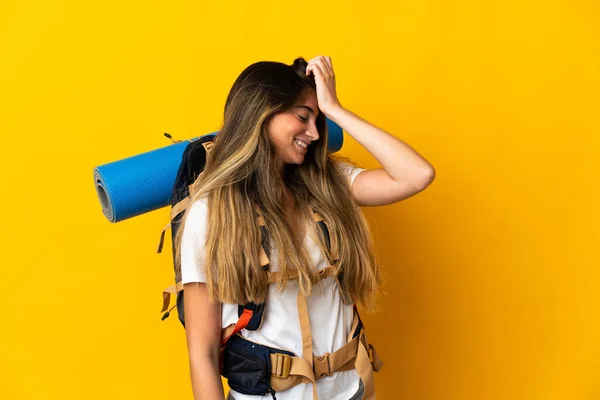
{"x": 294, "y": 130}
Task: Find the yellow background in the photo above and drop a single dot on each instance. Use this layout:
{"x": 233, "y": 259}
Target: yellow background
{"x": 492, "y": 273}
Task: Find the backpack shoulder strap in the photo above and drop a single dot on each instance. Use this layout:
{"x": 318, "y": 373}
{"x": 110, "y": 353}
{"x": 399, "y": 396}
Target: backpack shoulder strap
{"x": 192, "y": 165}
{"x": 184, "y": 203}
{"x": 264, "y": 240}
{"x": 330, "y": 242}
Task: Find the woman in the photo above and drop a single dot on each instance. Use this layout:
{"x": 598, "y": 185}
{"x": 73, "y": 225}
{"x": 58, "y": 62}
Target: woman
{"x": 271, "y": 157}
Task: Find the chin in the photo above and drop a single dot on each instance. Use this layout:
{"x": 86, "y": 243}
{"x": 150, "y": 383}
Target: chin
{"x": 295, "y": 160}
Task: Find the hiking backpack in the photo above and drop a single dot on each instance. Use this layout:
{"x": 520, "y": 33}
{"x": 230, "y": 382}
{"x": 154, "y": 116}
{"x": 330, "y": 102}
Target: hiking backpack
{"x": 274, "y": 369}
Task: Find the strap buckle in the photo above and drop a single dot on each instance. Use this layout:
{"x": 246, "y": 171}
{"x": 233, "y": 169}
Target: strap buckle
{"x": 322, "y": 366}
{"x": 376, "y": 362}
{"x": 282, "y": 365}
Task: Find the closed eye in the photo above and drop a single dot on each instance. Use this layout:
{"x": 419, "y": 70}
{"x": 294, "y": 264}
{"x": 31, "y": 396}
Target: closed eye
{"x": 303, "y": 119}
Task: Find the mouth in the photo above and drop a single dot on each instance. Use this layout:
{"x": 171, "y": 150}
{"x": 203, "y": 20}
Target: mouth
{"x": 301, "y": 144}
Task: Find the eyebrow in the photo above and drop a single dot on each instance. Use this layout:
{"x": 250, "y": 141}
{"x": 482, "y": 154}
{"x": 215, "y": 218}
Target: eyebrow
{"x": 307, "y": 107}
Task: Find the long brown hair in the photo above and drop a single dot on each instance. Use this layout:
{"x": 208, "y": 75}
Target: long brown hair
{"x": 243, "y": 172}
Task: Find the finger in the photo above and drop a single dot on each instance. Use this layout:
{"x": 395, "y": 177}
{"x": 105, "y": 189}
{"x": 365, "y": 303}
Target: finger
{"x": 320, "y": 60}
{"x": 310, "y": 64}
{"x": 318, "y": 71}
{"x": 328, "y": 66}
{"x": 317, "y": 60}
{"x": 309, "y": 69}
{"x": 323, "y": 65}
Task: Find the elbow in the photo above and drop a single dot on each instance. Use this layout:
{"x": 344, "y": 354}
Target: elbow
{"x": 204, "y": 352}
{"x": 209, "y": 355}
{"x": 426, "y": 178}
{"x": 205, "y": 362}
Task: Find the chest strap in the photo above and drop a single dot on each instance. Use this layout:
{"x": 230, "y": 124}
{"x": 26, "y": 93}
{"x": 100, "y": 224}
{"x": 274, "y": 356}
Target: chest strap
{"x": 288, "y": 371}
{"x": 323, "y": 274}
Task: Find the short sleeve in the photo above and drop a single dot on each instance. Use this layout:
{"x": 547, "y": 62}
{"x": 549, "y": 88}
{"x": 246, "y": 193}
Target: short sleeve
{"x": 192, "y": 242}
{"x": 350, "y": 171}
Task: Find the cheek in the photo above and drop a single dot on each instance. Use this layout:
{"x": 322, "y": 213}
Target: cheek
{"x": 274, "y": 129}
{"x": 283, "y": 131}
{"x": 279, "y": 139}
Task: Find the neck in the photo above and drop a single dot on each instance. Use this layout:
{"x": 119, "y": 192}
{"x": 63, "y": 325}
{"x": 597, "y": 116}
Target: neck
{"x": 281, "y": 167}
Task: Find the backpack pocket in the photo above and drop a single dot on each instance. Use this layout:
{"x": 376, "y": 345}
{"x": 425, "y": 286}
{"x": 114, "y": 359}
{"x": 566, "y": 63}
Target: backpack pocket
{"x": 247, "y": 366}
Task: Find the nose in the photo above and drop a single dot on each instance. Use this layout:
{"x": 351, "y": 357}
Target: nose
{"x": 313, "y": 133}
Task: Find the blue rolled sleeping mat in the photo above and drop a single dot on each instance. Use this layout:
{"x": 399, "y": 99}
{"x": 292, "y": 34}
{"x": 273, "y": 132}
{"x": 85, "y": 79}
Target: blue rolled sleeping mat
{"x": 143, "y": 183}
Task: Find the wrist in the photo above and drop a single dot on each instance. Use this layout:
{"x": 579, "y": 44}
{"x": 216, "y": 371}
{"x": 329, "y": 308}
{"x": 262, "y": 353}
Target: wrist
{"x": 334, "y": 112}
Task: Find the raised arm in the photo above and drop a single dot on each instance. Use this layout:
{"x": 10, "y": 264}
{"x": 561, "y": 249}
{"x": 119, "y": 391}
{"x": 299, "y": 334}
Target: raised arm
{"x": 404, "y": 174}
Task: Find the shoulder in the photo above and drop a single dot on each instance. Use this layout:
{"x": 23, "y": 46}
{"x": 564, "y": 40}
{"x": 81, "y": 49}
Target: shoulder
{"x": 349, "y": 170}
{"x": 198, "y": 207}
{"x": 196, "y": 217}
{"x": 192, "y": 242}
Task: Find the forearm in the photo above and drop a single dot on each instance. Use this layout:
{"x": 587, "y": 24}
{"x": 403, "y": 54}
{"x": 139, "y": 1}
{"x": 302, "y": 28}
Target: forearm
{"x": 206, "y": 379}
{"x": 398, "y": 159}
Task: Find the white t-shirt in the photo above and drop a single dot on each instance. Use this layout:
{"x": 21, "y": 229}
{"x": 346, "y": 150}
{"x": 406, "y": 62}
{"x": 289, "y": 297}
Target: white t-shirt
{"x": 330, "y": 319}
